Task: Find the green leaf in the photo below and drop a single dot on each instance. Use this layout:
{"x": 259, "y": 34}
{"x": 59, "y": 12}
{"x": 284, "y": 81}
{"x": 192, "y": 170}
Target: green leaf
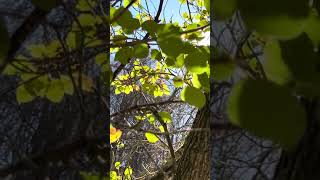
{"x": 223, "y": 65}
{"x": 193, "y": 96}
{"x": 45, "y": 5}
{"x": 55, "y": 91}
{"x": 177, "y": 82}
{"x": 71, "y": 40}
{"x": 113, "y": 175}
{"x": 156, "y": 54}
{"x": 124, "y": 18}
{"x": 127, "y": 23}
{"x": 267, "y": 110}
{"x": 152, "y": 138}
{"x": 150, "y": 26}
{"x": 141, "y": 50}
{"x": 67, "y": 84}
{"x": 169, "y": 40}
{"x": 117, "y": 165}
{"x": 165, "y": 116}
{"x": 10, "y": 70}
{"x": 223, "y": 9}
{"x": 207, "y": 4}
{"x": 119, "y": 38}
{"x": 92, "y": 42}
{"x": 180, "y": 61}
{"x": 85, "y": 5}
{"x": 303, "y": 63}
{"x": 45, "y": 50}
{"x": 132, "y": 25}
{"x": 301, "y": 60}
{"x": 23, "y": 96}
{"x": 312, "y": 28}
{"x": 124, "y": 54}
{"x": 170, "y": 61}
{"x": 37, "y": 51}
{"x": 161, "y": 128}
{"x": 188, "y": 48}
{"x": 281, "y": 19}
{"x": 223, "y": 71}
{"x": 36, "y": 87}
{"x": 151, "y": 119}
{"x": 101, "y": 58}
{"x": 201, "y": 81}
{"x": 127, "y": 2}
{"x": 87, "y": 20}
{"x": 275, "y": 68}
{"x": 128, "y": 173}
{"x": 289, "y": 63}
{"x": 197, "y": 62}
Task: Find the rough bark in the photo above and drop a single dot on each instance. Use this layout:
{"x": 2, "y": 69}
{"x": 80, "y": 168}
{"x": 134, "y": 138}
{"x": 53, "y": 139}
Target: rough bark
{"x": 195, "y": 163}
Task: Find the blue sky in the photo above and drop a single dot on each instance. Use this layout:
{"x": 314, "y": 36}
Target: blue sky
{"x": 170, "y": 9}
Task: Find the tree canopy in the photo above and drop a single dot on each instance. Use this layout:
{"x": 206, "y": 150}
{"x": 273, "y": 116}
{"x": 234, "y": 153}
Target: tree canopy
{"x": 158, "y": 62}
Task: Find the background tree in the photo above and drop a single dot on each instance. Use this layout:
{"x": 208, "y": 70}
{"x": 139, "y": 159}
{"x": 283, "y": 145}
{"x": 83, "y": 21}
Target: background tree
{"x": 276, "y": 96}
{"x": 53, "y": 89}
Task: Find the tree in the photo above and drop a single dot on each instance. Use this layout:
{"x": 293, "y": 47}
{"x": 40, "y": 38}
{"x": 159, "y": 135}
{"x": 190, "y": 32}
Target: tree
{"x": 277, "y": 98}
{"x": 160, "y": 64}
{"x": 53, "y": 90}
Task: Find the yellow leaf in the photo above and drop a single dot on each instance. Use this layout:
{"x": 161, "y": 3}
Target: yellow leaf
{"x": 161, "y": 128}
{"x": 115, "y": 134}
{"x": 152, "y": 138}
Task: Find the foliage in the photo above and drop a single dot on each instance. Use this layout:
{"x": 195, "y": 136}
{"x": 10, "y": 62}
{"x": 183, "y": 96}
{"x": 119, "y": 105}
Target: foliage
{"x": 115, "y": 134}
{"x": 158, "y": 59}
{"x": 53, "y": 69}
{"x": 55, "y": 55}
{"x": 265, "y": 102}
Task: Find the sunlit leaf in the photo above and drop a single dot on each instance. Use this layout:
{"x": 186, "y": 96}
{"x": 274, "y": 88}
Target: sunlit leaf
{"x": 165, "y": 116}
{"x": 128, "y": 173}
{"x": 152, "y": 138}
{"x": 193, "y": 96}
{"x": 161, "y": 128}
{"x": 156, "y": 54}
{"x": 117, "y": 165}
{"x": 196, "y": 62}
{"x": 169, "y": 40}
{"x": 201, "y": 81}
{"x": 178, "y": 82}
{"x": 113, "y": 175}
{"x": 274, "y": 66}
{"x": 115, "y": 134}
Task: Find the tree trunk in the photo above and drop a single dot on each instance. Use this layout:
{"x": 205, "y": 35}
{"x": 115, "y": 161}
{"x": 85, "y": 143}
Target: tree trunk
{"x": 303, "y": 162}
{"x": 195, "y": 163}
